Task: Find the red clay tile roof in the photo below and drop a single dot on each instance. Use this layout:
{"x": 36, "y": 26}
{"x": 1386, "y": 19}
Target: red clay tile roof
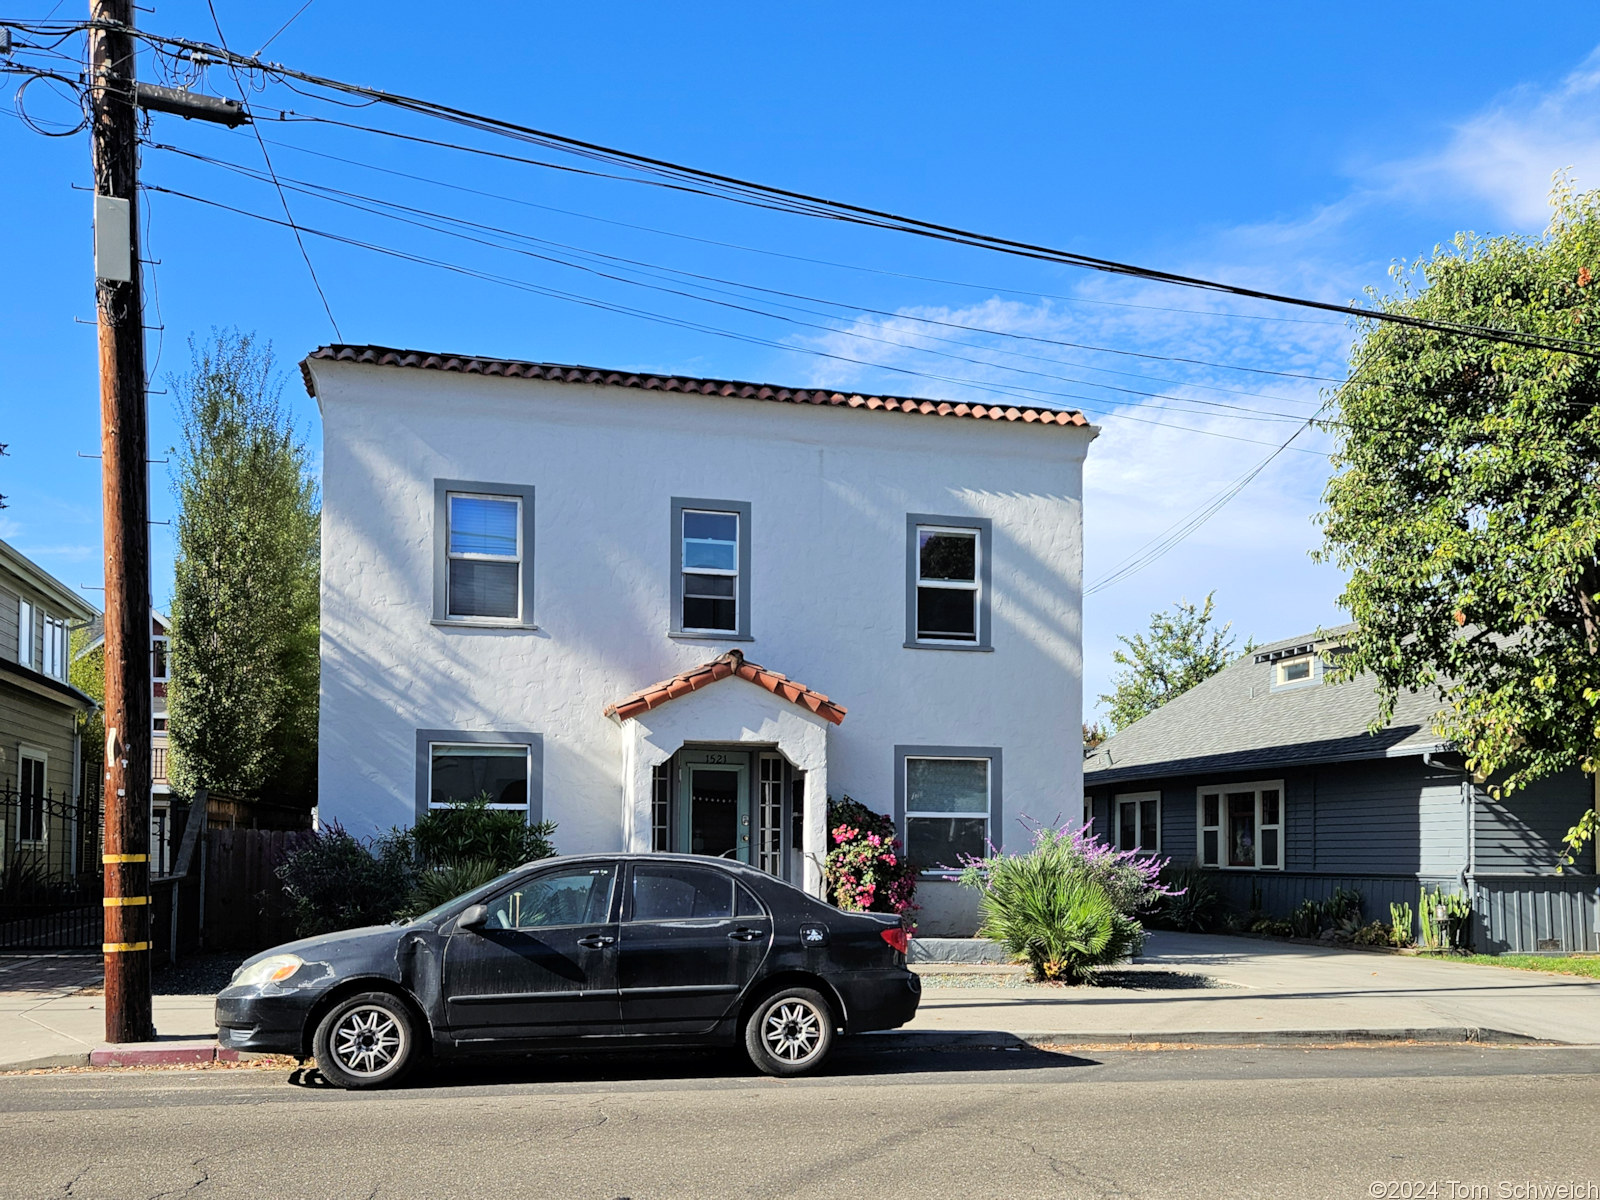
{"x": 721, "y": 667}
{"x": 381, "y": 356}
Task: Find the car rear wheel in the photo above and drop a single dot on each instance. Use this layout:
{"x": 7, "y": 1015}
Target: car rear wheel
{"x": 366, "y": 1041}
{"x": 790, "y": 1032}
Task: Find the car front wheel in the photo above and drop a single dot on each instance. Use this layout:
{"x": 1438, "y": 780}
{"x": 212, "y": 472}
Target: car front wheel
{"x": 790, "y": 1032}
{"x": 366, "y": 1041}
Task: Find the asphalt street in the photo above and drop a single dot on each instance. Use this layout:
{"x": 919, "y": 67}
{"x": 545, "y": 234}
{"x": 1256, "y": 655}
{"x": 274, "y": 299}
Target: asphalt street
{"x": 1405, "y": 1122}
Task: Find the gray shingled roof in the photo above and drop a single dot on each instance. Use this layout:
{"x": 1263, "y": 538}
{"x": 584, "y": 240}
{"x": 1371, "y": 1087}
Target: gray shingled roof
{"x": 1235, "y": 720}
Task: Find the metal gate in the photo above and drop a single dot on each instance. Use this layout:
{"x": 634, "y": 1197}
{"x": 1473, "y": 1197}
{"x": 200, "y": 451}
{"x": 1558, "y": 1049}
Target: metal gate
{"x": 50, "y": 881}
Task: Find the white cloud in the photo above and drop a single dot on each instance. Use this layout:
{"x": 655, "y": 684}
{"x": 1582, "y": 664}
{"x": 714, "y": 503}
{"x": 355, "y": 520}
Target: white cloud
{"x": 1507, "y": 153}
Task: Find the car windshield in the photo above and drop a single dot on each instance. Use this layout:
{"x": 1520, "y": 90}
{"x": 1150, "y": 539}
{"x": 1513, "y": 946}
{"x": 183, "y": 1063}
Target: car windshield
{"x": 461, "y": 901}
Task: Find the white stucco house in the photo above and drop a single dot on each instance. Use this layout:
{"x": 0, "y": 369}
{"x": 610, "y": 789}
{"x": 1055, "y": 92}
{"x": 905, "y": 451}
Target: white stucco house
{"x": 555, "y": 583}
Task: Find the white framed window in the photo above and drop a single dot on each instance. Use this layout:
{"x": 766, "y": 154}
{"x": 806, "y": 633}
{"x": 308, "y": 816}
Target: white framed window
{"x": 32, "y": 772}
{"x": 465, "y": 771}
{"x": 484, "y": 549}
{"x": 711, "y": 566}
{"x": 949, "y": 584}
{"x": 948, "y": 804}
{"x": 661, "y": 807}
{"x": 54, "y": 660}
{"x": 25, "y": 633}
{"x": 1138, "y": 822}
{"x": 1294, "y": 670}
{"x": 160, "y": 653}
{"x": 1241, "y": 826}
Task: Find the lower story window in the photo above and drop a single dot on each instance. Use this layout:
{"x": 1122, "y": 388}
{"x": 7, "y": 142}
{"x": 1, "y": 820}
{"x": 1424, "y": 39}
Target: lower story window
{"x": 1241, "y": 826}
{"x": 1139, "y": 822}
{"x": 947, "y": 810}
{"x": 661, "y": 807}
{"x": 30, "y": 792}
{"x": 473, "y": 771}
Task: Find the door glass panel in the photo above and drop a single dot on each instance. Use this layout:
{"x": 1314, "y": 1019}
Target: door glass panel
{"x": 581, "y": 896}
{"x": 714, "y": 812}
{"x": 1241, "y": 829}
{"x": 673, "y": 893}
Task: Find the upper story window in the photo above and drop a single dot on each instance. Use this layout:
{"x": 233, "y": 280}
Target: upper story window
{"x": 53, "y": 659}
{"x": 1293, "y": 666}
{"x": 1294, "y": 670}
{"x": 711, "y": 569}
{"x": 159, "y": 666}
{"x": 483, "y": 552}
{"x": 947, "y": 585}
{"x": 25, "y": 633}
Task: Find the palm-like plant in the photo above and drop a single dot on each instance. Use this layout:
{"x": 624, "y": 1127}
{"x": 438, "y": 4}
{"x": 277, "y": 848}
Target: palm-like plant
{"x": 1062, "y": 923}
{"x": 449, "y": 879}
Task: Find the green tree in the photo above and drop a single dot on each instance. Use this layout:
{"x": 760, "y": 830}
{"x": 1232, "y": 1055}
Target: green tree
{"x": 1465, "y": 502}
{"x": 243, "y": 695}
{"x": 1180, "y": 649}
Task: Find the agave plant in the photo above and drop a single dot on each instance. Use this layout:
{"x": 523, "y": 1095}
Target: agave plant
{"x": 1061, "y": 922}
{"x": 451, "y": 878}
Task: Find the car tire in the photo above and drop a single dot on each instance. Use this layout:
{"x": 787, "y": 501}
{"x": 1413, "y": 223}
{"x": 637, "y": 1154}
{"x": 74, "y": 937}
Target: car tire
{"x": 790, "y": 1032}
{"x": 367, "y": 1040}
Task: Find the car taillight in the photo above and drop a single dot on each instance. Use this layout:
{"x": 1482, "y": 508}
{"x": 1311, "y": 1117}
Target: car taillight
{"x": 898, "y": 938}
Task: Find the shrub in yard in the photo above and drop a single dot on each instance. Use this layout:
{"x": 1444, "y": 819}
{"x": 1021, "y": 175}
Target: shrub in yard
{"x": 1272, "y": 927}
{"x": 337, "y": 881}
{"x": 1191, "y": 904}
{"x": 1306, "y": 919}
{"x": 469, "y": 830}
{"x": 1049, "y": 907}
{"x": 866, "y": 869}
{"x": 1374, "y": 934}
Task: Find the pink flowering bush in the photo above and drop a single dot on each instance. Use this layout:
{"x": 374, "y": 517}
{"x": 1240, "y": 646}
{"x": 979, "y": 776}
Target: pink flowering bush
{"x": 867, "y": 869}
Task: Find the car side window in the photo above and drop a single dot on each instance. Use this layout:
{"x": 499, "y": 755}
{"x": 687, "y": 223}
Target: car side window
{"x": 678, "y": 893}
{"x": 576, "y": 896}
{"x": 747, "y": 904}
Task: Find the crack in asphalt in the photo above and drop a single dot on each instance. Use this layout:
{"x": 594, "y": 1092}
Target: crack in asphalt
{"x": 205, "y": 1177}
{"x": 73, "y": 1182}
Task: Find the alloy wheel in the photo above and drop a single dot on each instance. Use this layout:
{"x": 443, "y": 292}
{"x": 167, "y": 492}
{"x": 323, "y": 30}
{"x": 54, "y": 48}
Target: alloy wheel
{"x": 367, "y": 1040}
{"x": 792, "y": 1031}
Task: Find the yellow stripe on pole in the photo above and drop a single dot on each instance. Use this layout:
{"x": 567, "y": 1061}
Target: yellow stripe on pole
{"x": 123, "y": 947}
{"x": 119, "y": 901}
{"x": 124, "y": 858}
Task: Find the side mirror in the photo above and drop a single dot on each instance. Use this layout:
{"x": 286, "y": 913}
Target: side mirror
{"x": 473, "y": 916}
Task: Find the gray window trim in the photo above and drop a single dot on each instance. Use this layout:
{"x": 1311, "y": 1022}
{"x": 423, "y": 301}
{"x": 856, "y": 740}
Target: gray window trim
{"x": 985, "y": 529}
{"x": 996, "y": 788}
{"x": 441, "y": 556}
{"x": 534, "y": 742}
{"x": 675, "y": 588}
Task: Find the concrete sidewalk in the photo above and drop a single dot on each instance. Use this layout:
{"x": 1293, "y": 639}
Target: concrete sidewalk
{"x": 1271, "y": 991}
{"x": 47, "y": 1021}
{"x": 1279, "y": 989}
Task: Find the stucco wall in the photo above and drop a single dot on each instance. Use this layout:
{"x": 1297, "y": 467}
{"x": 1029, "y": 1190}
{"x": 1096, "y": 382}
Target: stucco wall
{"x": 829, "y": 493}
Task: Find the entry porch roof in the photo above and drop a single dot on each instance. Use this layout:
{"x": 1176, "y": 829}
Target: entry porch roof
{"x": 725, "y": 666}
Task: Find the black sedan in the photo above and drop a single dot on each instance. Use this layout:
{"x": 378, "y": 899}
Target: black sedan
{"x": 606, "y": 951}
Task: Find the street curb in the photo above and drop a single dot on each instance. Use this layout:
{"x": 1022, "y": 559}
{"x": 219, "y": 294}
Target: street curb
{"x": 161, "y": 1054}
{"x": 933, "y": 1039}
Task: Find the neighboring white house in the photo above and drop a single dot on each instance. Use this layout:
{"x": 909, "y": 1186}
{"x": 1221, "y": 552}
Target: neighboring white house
{"x": 554, "y": 584}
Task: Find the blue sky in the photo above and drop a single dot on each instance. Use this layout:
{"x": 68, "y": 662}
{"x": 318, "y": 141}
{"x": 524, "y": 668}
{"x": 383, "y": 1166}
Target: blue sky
{"x": 1280, "y": 146}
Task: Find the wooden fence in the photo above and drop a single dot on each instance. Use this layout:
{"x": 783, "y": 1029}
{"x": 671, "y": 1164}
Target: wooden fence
{"x": 245, "y": 908}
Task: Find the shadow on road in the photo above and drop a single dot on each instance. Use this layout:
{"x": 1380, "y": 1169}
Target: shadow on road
{"x": 848, "y": 1062}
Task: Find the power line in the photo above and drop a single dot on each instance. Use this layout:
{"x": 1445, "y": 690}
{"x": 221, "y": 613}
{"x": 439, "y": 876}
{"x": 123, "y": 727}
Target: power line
{"x": 659, "y": 318}
{"x": 282, "y": 27}
{"x": 735, "y": 189}
{"x": 267, "y": 158}
{"x": 363, "y": 203}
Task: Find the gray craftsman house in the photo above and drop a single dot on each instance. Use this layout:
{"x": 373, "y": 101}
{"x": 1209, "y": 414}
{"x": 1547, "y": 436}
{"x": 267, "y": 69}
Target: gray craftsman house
{"x": 1266, "y": 775}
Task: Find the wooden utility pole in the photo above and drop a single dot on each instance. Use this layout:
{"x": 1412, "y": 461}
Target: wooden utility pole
{"x": 125, "y": 482}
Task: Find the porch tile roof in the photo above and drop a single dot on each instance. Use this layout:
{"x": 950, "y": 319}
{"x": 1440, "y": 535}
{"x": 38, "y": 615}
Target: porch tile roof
{"x": 721, "y": 667}
{"x": 467, "y": 364}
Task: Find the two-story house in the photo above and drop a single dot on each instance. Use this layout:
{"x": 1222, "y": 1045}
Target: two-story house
{"x": 677, "y": 614}
{"x": 39, "y": 743}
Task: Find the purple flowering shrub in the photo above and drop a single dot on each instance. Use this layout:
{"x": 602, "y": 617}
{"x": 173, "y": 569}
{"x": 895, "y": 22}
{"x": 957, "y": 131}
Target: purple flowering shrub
{"x": 866, "y": 870}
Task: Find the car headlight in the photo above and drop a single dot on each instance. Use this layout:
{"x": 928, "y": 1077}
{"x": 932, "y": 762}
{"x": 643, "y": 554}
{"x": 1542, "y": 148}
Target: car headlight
{"x": 273, "y": 969}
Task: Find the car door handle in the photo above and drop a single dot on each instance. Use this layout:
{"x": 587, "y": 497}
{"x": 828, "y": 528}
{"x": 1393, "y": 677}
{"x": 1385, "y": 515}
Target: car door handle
{"x": 744, "y": 935}
{"x": 596, "y": 941}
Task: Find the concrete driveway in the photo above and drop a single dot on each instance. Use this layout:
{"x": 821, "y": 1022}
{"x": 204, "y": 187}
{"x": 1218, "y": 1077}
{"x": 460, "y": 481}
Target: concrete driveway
{"x": 1281, "y": 988}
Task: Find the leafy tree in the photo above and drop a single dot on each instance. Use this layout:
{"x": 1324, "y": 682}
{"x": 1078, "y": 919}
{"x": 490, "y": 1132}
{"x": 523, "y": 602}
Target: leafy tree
{"x": 88, "y": 675}
{"x": 243, "y": 697}
{"x": 1180, "y": 650}
{"x": 1465, "y": 502}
